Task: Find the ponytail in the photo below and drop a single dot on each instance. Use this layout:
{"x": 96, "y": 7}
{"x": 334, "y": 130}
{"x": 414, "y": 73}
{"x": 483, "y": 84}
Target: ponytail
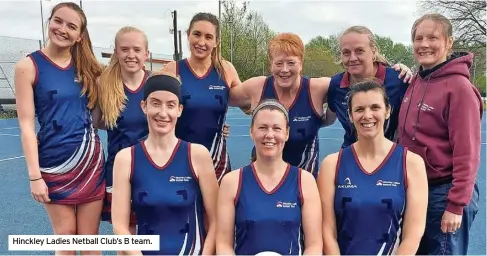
{"x": 216, "y": 60}
{"x": 87, "y": 67}
{"x": 111, "y": 94}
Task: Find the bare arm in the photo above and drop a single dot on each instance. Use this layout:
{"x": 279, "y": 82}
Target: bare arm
{"x": 416, "y": 205}
{"x": 319, "y": 95}
{"x": 326, "y": 187}
{"x": 203, "y": 167}
{"x": 121, "y": 194}
{"x": 24, "y": 93}
{"x": 248, "y": 93}
{"x": 239, "y": 93}
{"x": 226, "y": 214}
{"x": 25, "y": 75}
{"x": 311, "y": 212}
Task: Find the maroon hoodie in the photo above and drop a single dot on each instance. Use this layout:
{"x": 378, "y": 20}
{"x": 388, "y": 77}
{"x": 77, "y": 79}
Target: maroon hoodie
{"x": 440, "y": 120}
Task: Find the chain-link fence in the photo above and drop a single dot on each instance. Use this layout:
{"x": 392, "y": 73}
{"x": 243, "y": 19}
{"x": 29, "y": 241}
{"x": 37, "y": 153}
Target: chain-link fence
{"x": 11, "y": 51}
{"x": 14, "y": 49}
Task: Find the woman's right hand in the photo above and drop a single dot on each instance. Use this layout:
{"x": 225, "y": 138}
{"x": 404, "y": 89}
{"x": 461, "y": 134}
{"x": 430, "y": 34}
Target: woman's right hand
{"x": 39, "y": 191}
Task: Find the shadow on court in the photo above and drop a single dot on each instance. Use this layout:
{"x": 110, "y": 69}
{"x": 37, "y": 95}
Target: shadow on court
{"x": 21, "y": 215}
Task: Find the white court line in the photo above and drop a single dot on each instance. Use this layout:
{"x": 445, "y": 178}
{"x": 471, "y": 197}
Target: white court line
{"x": 9, "y": 128}
{"x": 11, "y": 158}
{"x": 5, "y": 134}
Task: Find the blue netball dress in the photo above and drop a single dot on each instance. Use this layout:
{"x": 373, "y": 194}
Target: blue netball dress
{"x": 302, "y": 148}
{"x": 205, "y": 105}
{"x": 70, "y": 153}
{"x": 369, "y": 207}
{"x": 131, "y": 128}
{"x": 268, "y": 221}
{"x": 338, "y": 98}
{"x": 167, "y": 201}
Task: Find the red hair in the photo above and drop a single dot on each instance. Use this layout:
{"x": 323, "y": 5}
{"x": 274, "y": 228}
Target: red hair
{"x": 288, "y": 43}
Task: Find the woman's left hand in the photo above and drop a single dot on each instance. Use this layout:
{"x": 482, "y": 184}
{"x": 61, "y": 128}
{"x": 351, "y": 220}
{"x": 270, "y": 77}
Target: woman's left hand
{"x": 406, "y": 73}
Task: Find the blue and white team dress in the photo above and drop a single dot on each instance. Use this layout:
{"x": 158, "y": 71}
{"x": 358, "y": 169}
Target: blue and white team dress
{"x": 268, "y": 220}
{"x": 205, "y": 104}
{"x": 132, "y": 127}
{"x": 167, "y": 201}
{"x": 70, "y": 152}
{"x": 302, "y": 148}
{"x": 369, "y": 207}
{"x": 338, "y": 101}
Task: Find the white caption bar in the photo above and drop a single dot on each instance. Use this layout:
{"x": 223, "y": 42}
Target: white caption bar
{"x": 82, "y": 243}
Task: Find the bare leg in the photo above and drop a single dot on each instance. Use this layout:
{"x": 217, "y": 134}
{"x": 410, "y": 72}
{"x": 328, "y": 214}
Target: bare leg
{"x": 63, "y": 221}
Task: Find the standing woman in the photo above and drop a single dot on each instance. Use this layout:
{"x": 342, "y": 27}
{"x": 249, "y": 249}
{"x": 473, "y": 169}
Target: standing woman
{"x": 65, "y": 160}
{"x": 372, "y": 192}
{"x": 440, "y": 120}
{"x": 269, "y": 205}
{"x": 120, "y": 93}
{"x": 206, "y": 84}
{"x": 170, "y": 183}
{"x": 361, "y": 59}
{"x": 302, "y": 96}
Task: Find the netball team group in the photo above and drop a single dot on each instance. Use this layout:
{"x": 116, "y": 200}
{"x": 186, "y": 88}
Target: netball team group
{"x": 403, "y": 182}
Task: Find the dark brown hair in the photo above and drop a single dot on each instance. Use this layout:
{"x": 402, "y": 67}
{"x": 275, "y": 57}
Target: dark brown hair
{"x": 216, "y": 58}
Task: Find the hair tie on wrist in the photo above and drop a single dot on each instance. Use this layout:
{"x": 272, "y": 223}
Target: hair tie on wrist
{"x": 35, "y": 179}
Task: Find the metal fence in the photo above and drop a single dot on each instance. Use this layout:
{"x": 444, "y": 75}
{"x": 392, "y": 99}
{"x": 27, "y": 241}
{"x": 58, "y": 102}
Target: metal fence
{"x": 13, "y": 49}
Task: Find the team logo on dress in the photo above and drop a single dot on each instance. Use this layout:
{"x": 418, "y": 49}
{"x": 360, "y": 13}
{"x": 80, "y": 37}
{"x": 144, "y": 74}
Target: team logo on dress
{"x": 179, "y": 179}
{"x": 281, "y": 204}
{"x": 216, "y": 87}
{"x": 383, "y": 183}
{"x": 348, "y": 184}
{"x": 301, "y": 118}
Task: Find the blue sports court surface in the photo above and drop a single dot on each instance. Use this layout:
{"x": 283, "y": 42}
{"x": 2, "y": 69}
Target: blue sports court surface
{"x": 21, "y": 215}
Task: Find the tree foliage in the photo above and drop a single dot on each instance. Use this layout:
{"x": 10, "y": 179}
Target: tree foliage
{"x": 244, "y": 39}
{"x": 467, "y": 19}
{"x": 245, "y": 35}
{"x": 469, "y": 30}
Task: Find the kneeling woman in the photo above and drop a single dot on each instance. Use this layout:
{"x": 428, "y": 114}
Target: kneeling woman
{"x": 373, "y": 191}
{"x": 265, "y": 206}
{"x": 171, "y": 182}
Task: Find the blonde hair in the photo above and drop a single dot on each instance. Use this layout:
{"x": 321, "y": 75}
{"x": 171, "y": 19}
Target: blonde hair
{"x": 438, "y": 19}
{"x": 373, "y": 43}
{"x": 111, "y": 93}
{"x": 87, "y": 67}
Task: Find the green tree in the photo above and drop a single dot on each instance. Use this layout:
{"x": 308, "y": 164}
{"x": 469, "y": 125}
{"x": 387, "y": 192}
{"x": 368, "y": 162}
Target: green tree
{"x": 245, "y": 35}
{"x": 395, "y": 52}
{"x": 469, "y": 31}
{"x": 319, "y": 61}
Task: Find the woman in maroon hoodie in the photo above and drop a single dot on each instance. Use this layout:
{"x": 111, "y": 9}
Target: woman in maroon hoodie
{"x": 440, "y": 120}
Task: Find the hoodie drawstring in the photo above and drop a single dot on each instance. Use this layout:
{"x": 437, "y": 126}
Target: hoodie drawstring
{"x": 420, "y": 105}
